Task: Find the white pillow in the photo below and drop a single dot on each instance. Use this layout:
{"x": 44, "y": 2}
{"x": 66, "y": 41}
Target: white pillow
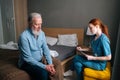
{"x": 68, "y": 40}
{"x": 51, "y": 40}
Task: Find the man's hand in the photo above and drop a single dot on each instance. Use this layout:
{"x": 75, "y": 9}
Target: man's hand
{"x": 50, "y": 68}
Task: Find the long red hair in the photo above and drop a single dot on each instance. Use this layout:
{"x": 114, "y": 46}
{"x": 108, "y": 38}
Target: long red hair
{"x": 103, "y": 27}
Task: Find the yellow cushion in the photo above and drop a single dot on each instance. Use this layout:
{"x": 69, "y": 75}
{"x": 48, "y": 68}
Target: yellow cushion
{"x": 88, "y": 78}
{"x": 91, "y": 73}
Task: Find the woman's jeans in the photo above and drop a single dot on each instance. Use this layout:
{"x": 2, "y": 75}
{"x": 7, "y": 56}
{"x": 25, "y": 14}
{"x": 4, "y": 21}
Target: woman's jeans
{"x": 79, "y": 62}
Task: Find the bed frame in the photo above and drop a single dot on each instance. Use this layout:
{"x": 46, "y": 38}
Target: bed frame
{"x": 53, "y": 32}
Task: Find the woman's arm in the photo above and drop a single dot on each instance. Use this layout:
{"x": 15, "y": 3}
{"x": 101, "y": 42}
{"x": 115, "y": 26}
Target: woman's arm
{"x": 89, "y": 57}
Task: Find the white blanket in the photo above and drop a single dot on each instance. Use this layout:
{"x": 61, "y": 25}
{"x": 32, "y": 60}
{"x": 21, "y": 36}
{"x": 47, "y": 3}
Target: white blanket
{"x": 54, "y": 53}
{"x": 10, "y": 45}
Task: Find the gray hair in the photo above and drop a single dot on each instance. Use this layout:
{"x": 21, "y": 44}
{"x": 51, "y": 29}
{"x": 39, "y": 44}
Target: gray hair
{"x": 33, "y": 15}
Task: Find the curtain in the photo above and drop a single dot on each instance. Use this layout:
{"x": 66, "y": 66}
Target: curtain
{"x": 116, "y": 66}
{"x": 7, "y": 19}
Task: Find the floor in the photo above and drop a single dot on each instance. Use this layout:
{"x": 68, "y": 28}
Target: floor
{"x": 70, "y": 77}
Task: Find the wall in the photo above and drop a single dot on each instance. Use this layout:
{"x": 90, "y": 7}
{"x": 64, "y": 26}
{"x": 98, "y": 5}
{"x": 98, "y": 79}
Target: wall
{"x": 77, "y": 13}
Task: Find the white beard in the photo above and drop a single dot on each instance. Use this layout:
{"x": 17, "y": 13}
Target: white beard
{"x": 36, "y": 33}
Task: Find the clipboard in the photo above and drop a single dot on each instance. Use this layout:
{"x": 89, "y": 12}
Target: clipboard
{"x": 83, "y": 53}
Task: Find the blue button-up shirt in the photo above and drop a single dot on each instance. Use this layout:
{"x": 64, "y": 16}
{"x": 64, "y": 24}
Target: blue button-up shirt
{"x": 32, "y": 49}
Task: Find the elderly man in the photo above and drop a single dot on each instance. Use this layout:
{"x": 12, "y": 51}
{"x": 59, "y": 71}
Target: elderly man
{"x": 33, "y": 47}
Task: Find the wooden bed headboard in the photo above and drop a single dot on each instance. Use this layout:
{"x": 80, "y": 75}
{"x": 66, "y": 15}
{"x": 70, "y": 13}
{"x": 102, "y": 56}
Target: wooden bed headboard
{"x": 53, "y": 32}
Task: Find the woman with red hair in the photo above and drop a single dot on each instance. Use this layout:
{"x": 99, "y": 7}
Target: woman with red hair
{"x": 100, "y": 46}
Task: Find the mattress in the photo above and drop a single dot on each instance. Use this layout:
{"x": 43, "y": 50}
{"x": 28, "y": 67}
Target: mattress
{"x": 8, "y": 66}
{"x": 64, "y": 51}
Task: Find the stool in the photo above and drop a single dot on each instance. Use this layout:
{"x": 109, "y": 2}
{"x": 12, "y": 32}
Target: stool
{"x": 91, "y": 74}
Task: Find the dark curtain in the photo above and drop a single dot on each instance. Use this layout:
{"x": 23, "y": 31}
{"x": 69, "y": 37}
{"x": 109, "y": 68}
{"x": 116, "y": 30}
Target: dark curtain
{"x": 116, "y": 66}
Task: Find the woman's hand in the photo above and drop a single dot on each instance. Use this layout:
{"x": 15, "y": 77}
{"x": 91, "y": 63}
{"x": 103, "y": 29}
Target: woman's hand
{"x": 78, "y": 48}
{"x": 82, "y": 49}
{"x": 90, "y": 57}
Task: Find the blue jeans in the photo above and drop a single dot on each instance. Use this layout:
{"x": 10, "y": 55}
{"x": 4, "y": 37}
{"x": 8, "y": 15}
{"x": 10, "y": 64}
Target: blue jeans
{"x": 79, "y": 62}
{"x": 35, "y": 72}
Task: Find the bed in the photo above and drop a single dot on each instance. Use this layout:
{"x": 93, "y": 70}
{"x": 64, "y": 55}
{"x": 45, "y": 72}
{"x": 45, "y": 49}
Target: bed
{"x": 66, "y": 53}
{"x": 8, "y": 66}
{"x": 9, "y": 58}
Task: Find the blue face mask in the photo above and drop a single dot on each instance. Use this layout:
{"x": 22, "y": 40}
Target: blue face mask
{"x": 88, "y": 32}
